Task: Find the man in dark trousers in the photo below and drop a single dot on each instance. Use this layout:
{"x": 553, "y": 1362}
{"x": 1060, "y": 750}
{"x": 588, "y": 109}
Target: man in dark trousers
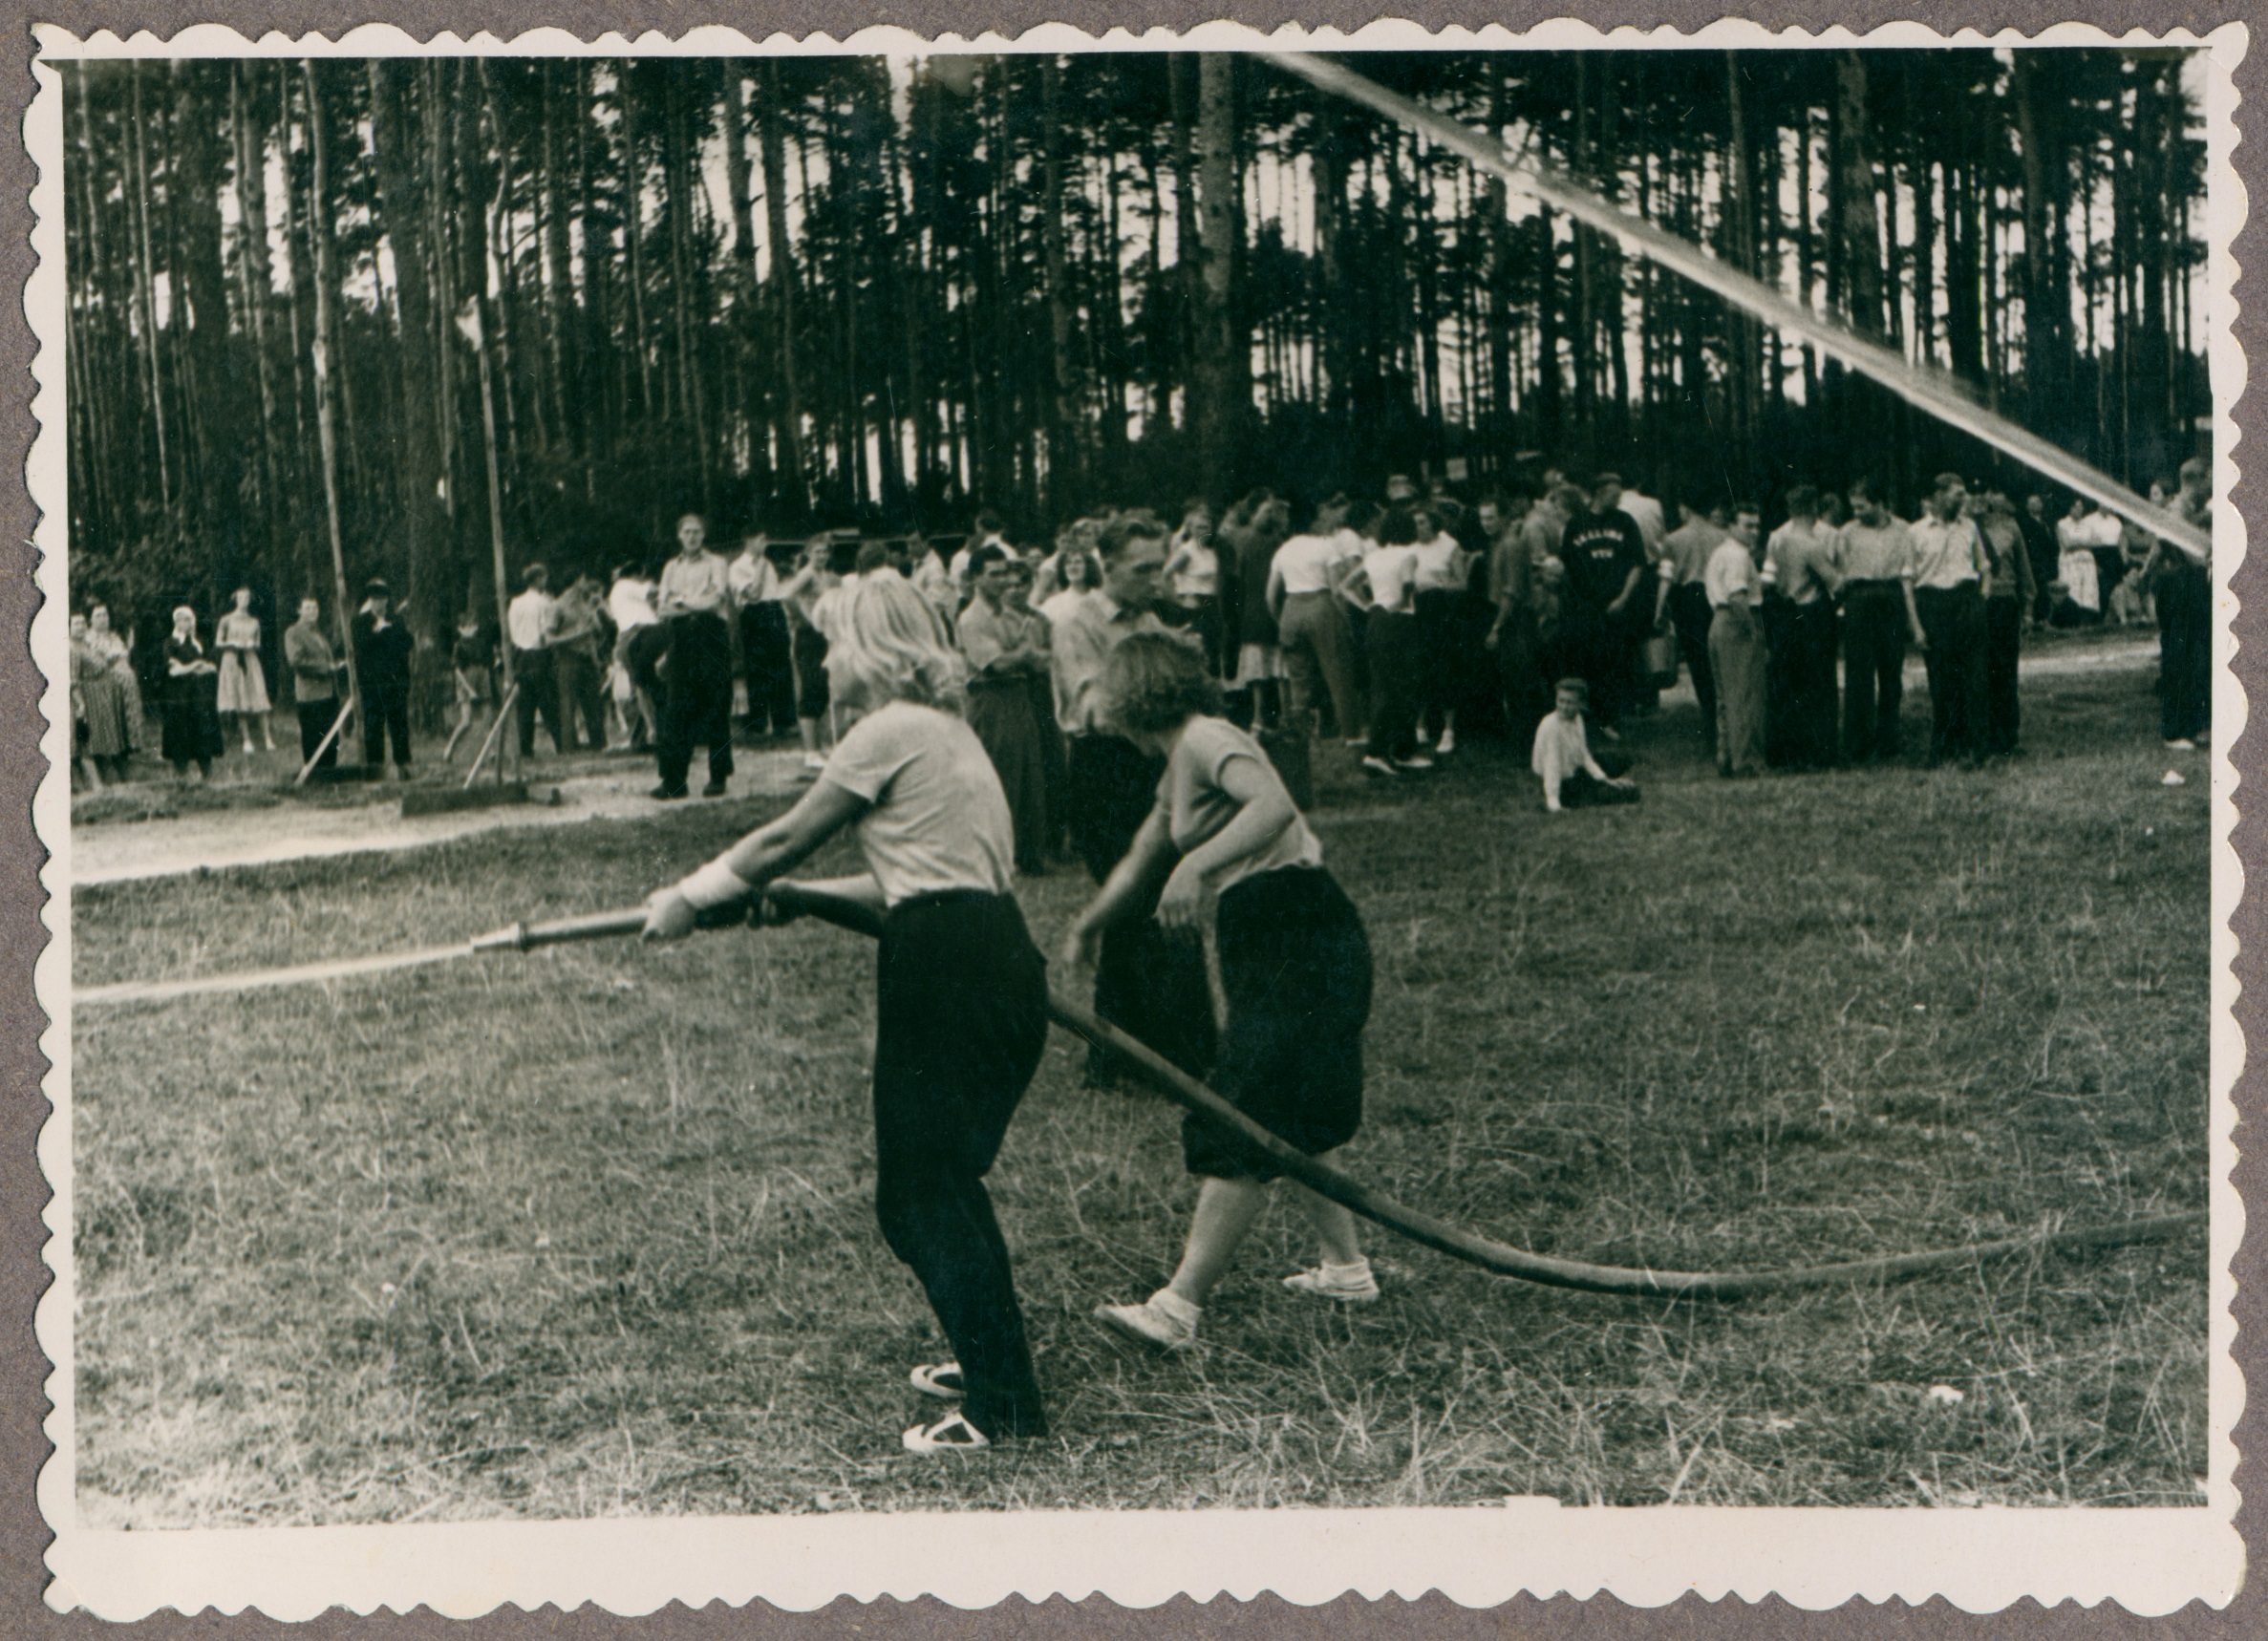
{"x": 1149, "y": 982}
{"x": 1604, "y": 553}
{"x": 1681, "y": 602}
{"x": 696, "y": 705}
{"x": 382, "y": 649}
{"x": 1949, "y": 567}
{"x": 1875, "y": 551}
{"x": 314, "y": 684}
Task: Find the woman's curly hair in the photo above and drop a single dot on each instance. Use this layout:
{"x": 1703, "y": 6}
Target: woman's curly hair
{"x": 1153, "y": 682}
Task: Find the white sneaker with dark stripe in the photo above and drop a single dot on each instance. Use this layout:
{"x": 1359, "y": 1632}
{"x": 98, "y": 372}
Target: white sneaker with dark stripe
{"x": 951, "y": 1434}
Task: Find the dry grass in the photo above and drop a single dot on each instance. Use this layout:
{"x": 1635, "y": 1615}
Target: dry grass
{"x": 590, "y": 1231}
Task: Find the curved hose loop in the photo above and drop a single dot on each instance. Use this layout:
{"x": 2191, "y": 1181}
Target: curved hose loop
{"x": 1185, "y": 1091}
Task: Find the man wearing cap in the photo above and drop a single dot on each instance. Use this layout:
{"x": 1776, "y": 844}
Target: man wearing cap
{"x": 1604, "y": 554}
{"x": 382, "y": 661}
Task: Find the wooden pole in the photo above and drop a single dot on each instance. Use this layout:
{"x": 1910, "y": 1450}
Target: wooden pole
{"x": 472, "y": 322}
{"x": 503, "y": 711}
{"x": 328, "y": 436}
{"x": 323, "y": 745}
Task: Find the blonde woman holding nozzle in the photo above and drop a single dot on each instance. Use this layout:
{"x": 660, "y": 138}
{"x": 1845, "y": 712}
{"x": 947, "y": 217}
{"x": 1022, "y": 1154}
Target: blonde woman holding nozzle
{"x": 961, "y": 991}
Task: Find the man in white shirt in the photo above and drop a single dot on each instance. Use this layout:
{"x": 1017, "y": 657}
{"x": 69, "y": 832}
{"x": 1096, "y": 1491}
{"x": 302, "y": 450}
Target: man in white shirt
{"x": 1949, "y": 565}
{"x": 1800, "y": 581}
{"x": 527, "y": 628}
{"x": 697, "y": 708}
{"x": 1736, "y": 644}
{"x": 757, "y": 594}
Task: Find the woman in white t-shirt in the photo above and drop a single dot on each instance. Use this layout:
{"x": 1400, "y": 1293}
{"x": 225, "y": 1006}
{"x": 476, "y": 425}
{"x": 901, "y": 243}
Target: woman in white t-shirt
{"x": 961, "y": 991}
{"x": 1394, "y": 647}
{"x": 1295, "y": 967}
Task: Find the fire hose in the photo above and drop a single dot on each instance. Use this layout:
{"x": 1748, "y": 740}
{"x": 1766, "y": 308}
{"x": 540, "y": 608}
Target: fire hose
{"x": 1191, "y": 1094}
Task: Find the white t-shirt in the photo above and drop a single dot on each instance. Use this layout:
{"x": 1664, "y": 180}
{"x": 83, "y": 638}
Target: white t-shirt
{"x": 940, "y": 820}
{"x": 1393, "y": 573}
{"x": 1197, "y": 807}
{"x": 527, "y": 619}
{"x": 1305, "y": 562}
{"x": 1441, "y": 569}
{"x": 630, "y": 601}
{"x": 1561, "y": 750}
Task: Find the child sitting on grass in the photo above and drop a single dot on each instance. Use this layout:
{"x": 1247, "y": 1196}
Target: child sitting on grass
{"x": 1294, "y": 966}
{"x": 1574, "y": 777}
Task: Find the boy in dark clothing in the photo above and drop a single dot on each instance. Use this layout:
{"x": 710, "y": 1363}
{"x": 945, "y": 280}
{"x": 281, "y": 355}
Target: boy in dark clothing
{"x": 1604, "y": 554}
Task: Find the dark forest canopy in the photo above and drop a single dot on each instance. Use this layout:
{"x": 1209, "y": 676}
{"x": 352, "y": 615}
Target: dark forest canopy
{"x": 827, "y": 290}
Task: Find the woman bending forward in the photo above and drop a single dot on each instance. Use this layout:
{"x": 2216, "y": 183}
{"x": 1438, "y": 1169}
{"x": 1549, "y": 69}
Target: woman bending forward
{"x": 961, "y": 991}
{"x": 1295, "y": 965}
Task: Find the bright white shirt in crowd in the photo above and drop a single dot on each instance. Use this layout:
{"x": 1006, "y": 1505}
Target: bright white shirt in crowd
{"x": 1306, "y": 563}
{"x": 1441, "y": 565}
{"x": 630, "y": 601}
{"x": 1732, "y": 576}
{"x": 752, "y": 579}
{"x": 1646, "y": 513}
{"x": 1393, "y": 576}
{"x": 1561, "y": 749}
{"x": 1946, "y": 554}
{"x": 940, "y": 820}
{"x": 527, "y": 618}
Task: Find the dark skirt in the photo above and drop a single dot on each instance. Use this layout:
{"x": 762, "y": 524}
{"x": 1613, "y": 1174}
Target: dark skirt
{"x": 1295, "y": 967}
{"x": 1001, "y": 716}
{"x": 192, "y": 719}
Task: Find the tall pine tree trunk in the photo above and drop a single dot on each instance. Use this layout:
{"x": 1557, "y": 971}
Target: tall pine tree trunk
{"x": 1224, "y": 360}
{"x": 431, "y": 594}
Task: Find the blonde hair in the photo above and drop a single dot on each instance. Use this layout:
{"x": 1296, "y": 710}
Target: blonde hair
{"x": 892, "y": 646}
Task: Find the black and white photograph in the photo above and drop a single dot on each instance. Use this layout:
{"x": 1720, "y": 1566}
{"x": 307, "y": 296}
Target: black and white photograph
{"x": 1158, "y": 790}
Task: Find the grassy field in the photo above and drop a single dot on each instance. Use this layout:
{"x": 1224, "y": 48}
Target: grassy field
{"x": 590, "y": 1231}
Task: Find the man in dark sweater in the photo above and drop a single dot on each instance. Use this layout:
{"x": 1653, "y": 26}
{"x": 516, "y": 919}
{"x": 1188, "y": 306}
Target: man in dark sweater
{"x": 382, "y": 649}
{"x": 1604, "y": 554}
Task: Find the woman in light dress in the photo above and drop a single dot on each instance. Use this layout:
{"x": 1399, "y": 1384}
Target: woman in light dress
{"x": 243, "y": 687}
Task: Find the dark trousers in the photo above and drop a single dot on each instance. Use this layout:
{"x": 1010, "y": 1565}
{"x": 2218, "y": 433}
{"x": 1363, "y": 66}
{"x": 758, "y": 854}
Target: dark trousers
{"x": 1953, "y": 621}
{"x": 1807, "y": 682}
{"x": 536, "y": 676}
{"x": 315, "y": 718}
{"x": 2004, "y": 644}
{"x": 1599, "y": 651}
{"x": 766, "y": 665}
{"x": 385, "y": 713}
{"x": 1689, "y": 615}
{"x": 1873, "y": 668}
{"x": 960, "y": 1024}
{"x": 696, "y": 699}
{"x": 1526, "y": 691}
{"x": 577, "y": 671}
{"x": 1583, "y": 790}
{"x": 1149, "y": 983}
{"x": 2185, "y": 664}
{"x": 1780, "y": 688}
{"x": 1393, "y": 648}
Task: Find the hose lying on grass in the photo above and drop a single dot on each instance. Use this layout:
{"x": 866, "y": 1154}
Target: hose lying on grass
{"x": 1187, "y": 1091}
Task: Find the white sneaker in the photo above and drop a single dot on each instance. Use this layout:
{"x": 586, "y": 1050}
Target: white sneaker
{"x": 940, "y": 1379}
{"x": 1379, "y": 766}
{"x": 2185, "y": 744}
{"x": 951, "y": 1434}
{"x": 1164, "y": 1319}
{"x": 1449, "y": 742}
{"x": 1348, "y": 1284}
{"x": 1418, "y": 761}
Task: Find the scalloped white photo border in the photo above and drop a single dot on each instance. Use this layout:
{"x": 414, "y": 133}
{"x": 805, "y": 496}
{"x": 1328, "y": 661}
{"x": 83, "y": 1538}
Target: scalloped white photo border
{"x": 2150, "y": 1560}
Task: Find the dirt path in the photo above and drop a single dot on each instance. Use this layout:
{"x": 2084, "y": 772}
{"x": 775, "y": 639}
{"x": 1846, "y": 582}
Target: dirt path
{"x": 110, "y": 853}
{"x": 113, "y": 852}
